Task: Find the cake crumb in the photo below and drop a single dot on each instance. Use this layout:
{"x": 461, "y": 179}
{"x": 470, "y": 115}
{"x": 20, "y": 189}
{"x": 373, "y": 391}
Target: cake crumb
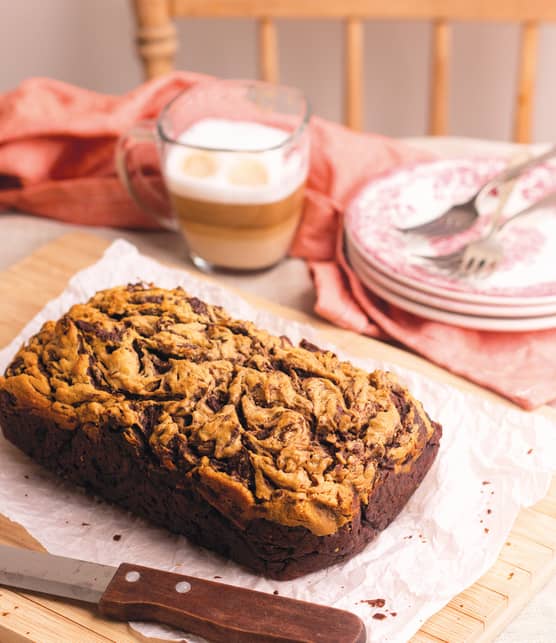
{"x": 375, "y": 602}
{"x": 117, "y": 537}
{"x": 217, "y": 576}
{"x": 530, "y": 451}
{"x": 5, "y": 613}
{"x": 275, "y": 592}
{"x": 489, "y": 511}
{"x": 393, "y": 613}
{"x": 26, "y": 477}
{"x": 486, "y": 530}
{"x": 486, "y": 482}
{"x": 379, "y": 616}
{"x": 510, "y": 575}
{"x": 85, "y": 524}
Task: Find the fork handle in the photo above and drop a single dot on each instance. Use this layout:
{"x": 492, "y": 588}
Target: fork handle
{"x": 514, "y": 171}
{"x": 543, "y": 201}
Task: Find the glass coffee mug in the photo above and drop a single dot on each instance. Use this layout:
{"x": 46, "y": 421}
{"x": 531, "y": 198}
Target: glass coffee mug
{"x": 234, "y": 157}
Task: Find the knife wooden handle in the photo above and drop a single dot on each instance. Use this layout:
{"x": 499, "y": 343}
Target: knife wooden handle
{"x": 222, "y": 612}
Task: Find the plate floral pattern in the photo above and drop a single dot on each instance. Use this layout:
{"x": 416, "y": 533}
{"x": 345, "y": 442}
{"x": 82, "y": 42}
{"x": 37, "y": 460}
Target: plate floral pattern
{"x": 421, "y": 192}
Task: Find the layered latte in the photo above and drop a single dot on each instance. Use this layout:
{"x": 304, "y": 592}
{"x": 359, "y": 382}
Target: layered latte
{"x": 237, "y": 190}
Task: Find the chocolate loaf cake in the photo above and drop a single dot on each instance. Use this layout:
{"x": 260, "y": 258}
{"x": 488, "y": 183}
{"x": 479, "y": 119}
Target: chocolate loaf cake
{"x": 281, "y": 457}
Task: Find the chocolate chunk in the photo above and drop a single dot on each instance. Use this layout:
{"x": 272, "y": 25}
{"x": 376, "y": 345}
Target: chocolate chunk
{"x": 97, "y": 378}
{"x": 400, "y": 402}
{"x": 148, "y": 299}
{"x": 140, "y": 285}
{"x": 239, "y": 330}
{"x": 104, "y": 334}
{"x": 85, "y": 326}
{"x": 309, "y": 346}
{"x": 197, "y": 306}
{"x": 216, "y": 400}
{"x": 150, "y": 418}
{"x": 161, "y": 366}
{"x": 16, "y": 365}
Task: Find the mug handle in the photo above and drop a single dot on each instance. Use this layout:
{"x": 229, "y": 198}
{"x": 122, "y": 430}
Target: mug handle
{"x": 141, "y": 133}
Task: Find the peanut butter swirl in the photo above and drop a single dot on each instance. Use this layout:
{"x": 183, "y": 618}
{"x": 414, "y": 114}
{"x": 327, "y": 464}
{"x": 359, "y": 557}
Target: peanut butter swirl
{"x": 262, "y": 428}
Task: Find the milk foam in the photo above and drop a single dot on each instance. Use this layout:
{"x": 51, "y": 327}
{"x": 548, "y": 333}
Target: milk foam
{"x": 281, "y": 175}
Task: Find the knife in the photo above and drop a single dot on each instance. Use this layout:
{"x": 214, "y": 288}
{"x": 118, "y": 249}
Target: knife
{"x": 215, "y": 611}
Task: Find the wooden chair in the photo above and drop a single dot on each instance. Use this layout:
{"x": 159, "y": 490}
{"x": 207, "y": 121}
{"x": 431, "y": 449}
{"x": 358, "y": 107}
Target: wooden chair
{"x": 157, "y": 42}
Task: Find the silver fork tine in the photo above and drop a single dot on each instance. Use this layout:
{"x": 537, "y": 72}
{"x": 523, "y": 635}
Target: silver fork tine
{"x": 484, "y": 254}
{"x": 481, "y": 266}
{"x": 485, "y": 268}
{"x": 466, "y": 266}
{"x": 458, "y": 218}
{"x": 444, "y": 259}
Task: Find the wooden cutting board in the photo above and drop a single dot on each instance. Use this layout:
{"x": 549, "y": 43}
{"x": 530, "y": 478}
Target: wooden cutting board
{"x": 526, "y": 562}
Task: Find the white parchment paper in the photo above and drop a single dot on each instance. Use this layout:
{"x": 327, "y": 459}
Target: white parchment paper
{"x": 493, "y": 460}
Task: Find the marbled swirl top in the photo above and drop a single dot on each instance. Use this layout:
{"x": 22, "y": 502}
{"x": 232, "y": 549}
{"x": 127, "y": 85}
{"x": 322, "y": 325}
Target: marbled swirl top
{"x": 267, "y": 429}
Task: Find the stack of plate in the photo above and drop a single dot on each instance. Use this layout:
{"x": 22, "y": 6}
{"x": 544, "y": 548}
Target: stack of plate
{"x": 519, "y": 295}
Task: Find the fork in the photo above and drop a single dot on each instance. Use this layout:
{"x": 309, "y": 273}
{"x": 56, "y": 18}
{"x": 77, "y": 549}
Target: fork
{"x": 482, "y": 256}
{"x": 459, "y": 261}
{"x": 461, "y": 216}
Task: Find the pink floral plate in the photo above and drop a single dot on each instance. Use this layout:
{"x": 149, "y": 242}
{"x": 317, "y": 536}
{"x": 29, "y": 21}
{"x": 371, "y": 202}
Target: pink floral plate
{"x": 418, "y": 193}
{"x": 477, "y": 322}
{"x": 374, "y": 279}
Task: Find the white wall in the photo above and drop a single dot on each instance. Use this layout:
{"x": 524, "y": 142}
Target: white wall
{"x": 89, "y": 42}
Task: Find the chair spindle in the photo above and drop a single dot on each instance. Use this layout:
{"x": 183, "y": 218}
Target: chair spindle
{"x": 438, "y": 106}
{"x": 268, "y": 51}
{"x": 354, "y": 73}
{"x": 526, "y": 82}
{"x": 156, "y": 37}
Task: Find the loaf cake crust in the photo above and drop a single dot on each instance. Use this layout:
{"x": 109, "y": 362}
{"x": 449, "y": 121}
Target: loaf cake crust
{"x": 281, "y": 457}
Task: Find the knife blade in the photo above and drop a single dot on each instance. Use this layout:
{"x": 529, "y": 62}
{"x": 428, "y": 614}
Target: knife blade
{"x": 216, "y": 611}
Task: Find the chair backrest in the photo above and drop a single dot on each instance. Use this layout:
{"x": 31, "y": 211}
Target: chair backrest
{"x": 157, "y": 43}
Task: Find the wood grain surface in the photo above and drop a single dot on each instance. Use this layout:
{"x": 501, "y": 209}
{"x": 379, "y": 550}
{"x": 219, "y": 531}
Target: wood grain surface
{"x": 526, "y": 562}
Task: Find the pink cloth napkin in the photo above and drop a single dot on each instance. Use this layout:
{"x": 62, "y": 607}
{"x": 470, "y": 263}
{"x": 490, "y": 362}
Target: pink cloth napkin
{"x": 56, "y": 159}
